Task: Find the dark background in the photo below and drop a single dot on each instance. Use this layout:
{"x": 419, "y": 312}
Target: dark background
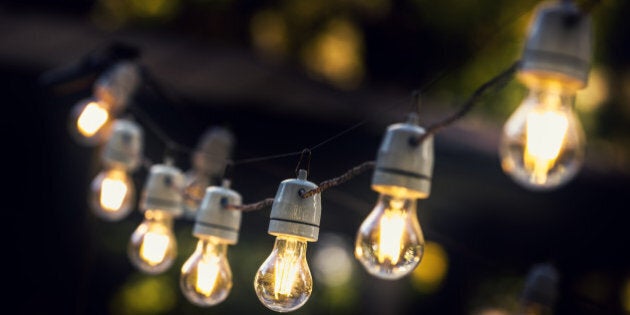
{"x": 284, "y": 97}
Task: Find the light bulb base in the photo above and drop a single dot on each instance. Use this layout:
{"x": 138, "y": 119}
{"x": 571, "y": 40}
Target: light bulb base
{"x": 558, "y": 47}
{"x": 116, "y": 85}
{"x": 124, "y": 146}
{"x": 215, "y": 219}
{"x": 213, "y": 151}
{"x": 293, "y": 215}
{"x": 403, "y": 166}
{"x": 163, "y": 190}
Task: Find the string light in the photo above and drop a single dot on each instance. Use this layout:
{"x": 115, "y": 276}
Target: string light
{"x": 209, "y": 160}
{"x": 390, "y": 243}
{"x": 91, "y": 118}
{"x": 283, "y": 282}
{"x": 206, "y": 277}
{"x": 542, "y": 145}
{"x": 153, "y": 247}
{"x": 112, "y": 192}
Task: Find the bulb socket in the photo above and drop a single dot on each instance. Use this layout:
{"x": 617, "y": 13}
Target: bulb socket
{"x": 163, "y": 190}
{"x": 293, "y": 215}
{"x": 404, "y": 166}
{"x": 213, "y": 151}
{"x": 124, "y": 146}
{"x": 214, "y": 218}
{"x": 558, "y": 47}
{"x": 541, "y": 285}
{"x": 116, "y": 85}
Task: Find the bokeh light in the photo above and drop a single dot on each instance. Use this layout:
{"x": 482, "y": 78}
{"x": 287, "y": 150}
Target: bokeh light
{"x": 430, "y": 274}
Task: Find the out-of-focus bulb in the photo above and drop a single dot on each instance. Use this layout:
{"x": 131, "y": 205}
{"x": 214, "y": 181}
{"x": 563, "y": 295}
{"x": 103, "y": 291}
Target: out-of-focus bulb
{"x": 543, "y": 142}
{"x": 209, "y": 161}
{"x": 112, "y": 192}
{"x": 89, "y": 120}
{"x": 206, "y": 277}
{"x": 542, "y": 145}
{"x": 153, "y": 247}
{"x": 283, "y": 282}
{"x": 390, "y": 242}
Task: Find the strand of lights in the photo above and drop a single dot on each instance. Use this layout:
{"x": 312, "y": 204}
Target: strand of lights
{"x": 153, "y": 247}
{"x": 542, "y": 145}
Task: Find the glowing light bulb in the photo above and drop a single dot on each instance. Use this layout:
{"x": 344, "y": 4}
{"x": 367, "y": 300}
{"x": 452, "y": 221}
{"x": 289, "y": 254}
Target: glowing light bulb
{"x": 543, "y": 143}
{"x": 112, "y": 192}
{"x": 89, "y": 121}
{"x": 283, "y": 282}
{"x": 153, "y": 247}
{"x": 206, "y": 277}
{"x": 389, "y": 243}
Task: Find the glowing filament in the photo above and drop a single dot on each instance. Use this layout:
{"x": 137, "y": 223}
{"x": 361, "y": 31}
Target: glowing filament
{"x": 154, "y": 247}
{"x": 545, "y": 136}
{"x": 113, "y": 194}
{"x": 391, "y": 235}
{"x": 207, "y": 274}
{"x": 286, "y": 269}
{"x": 92, "y": 118}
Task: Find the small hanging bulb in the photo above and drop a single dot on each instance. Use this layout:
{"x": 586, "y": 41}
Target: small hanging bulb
{"x": 542, "y": 145}
{"x": 206, "y": 277}
{"x": 152, "y": 247}
{"x": 208, "y": 162}
{"x": 540, "y": 292}
{"x": 390, "y": 243}
{"x": 91, "y": 118}
{"x": 283, "y": 282}
{"x": 112, "y": 192}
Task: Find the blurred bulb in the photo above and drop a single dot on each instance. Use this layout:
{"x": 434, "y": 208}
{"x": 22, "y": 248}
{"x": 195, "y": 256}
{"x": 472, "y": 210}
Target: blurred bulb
{"x": 112, "y": 194}
{"x": 89, "y": 120}
{"x": 543, "y": 144}
{"x": 283, "y": 282}
{"x": 390, "y": 243}
{"x": 194, "y": 190}
{"x": 206, "y": 277}
{"x": 153, "y": 247}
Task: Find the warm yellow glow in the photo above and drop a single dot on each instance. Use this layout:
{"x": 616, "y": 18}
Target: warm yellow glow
{"x": 336, "y": 54}
{"x": 92, "y": 119}
{"x": 391, "y": 233}
{"x": 207, "y": 274}
{"x": 269, "y": 32}
{"x": 113, "y": 192}
{"x": 545, "y": 134}
{"x": 286, "y": 269}
{"x": 430, "y": 274}
{"x": 154, "y": 247}
{"x": 595, "y": 94}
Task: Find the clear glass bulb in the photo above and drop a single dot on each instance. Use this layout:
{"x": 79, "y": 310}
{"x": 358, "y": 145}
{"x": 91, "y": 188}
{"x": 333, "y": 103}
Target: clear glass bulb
{"x": 206, "y": 277}
{"x": 390, "y": 242}
{"x": 542, "y": 145}
{"x": 89, "y": 120}
{"x": 153, "y": 247}
{"x": 283, "y": 282}
{"x": 112, "y": 194}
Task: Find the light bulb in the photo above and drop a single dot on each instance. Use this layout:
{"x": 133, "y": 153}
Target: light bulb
{"x": 194, "y": 190}
{"x": 390, "y": 243}
{"x": 89, "y": 121}
{"x": 206, "y": 277}
{"x": 112, "y": 194}
{"x": 283, "y": 282}
{"x": 542, "y": 145}
{"x": 153, "y": 247}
